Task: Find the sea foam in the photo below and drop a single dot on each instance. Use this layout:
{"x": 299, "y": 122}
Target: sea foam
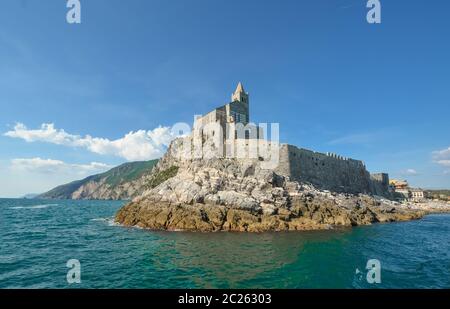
{"x": 109, "y": 221}
{"x": 34, "y": 206}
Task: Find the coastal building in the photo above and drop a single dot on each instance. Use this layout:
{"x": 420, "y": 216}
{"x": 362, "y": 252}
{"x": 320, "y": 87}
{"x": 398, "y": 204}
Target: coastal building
{"x": 400, "y": 188}
{"x": 418, "y": 195}
{"x": 406, "y": 193}
{"x": 399, "y": 184}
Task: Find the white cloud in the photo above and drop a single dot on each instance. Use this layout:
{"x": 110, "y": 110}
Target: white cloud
{"x": 442, "y": 157}
{"x": 410, "y": 172}
{"x": 49, "y": 166}
{"x": 443, "y": 162}
{"x": 139, "y": 145}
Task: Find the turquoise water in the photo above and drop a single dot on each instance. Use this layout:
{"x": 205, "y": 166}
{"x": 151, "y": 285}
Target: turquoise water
{"x": 37, "y": 238}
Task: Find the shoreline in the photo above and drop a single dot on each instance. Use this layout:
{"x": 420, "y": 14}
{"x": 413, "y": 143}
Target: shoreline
{"x": 330, "y": 228}
{"x": 301, "y": 217}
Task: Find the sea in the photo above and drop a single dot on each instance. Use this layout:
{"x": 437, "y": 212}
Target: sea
{"x": 39, "y": 237}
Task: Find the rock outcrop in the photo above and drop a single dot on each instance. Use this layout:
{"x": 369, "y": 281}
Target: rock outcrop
{"x": 239, "y": 195}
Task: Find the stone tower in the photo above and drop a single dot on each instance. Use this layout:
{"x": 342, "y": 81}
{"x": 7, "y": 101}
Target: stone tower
{"x": 237, "y": 110}
{"x": 239, "y": 94}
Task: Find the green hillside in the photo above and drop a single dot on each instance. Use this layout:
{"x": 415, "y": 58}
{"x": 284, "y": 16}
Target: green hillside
{"x": 121, "y": 174}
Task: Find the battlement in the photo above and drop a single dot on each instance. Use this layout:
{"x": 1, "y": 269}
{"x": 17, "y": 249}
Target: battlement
{"x": 326, "y": 171}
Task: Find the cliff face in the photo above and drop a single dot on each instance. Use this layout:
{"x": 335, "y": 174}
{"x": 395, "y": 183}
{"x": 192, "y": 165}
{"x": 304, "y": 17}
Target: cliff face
{"x": 120, "y": 183}
{"x": 239, "y": 195}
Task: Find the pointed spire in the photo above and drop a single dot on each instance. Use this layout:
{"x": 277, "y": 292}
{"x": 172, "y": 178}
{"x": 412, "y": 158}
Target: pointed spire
{"x": 240, "y": 88}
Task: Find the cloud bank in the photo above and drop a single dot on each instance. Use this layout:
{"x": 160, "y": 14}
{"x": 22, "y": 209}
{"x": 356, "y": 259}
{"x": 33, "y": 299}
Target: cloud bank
{"x": 134, "y": 146}
{"x": 49, "y": 166}
{"x": 410, "y": 172}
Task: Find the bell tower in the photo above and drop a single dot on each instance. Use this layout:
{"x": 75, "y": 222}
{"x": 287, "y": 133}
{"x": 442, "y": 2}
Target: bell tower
{"x": 239, "y": 94}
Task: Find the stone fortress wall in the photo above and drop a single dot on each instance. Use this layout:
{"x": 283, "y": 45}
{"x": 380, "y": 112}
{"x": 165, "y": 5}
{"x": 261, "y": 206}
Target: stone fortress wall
{"x": 329, "y": 171}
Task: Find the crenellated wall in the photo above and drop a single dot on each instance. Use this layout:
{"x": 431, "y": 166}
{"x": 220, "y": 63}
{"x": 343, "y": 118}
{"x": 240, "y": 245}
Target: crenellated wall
{"x": 328, "y": 171}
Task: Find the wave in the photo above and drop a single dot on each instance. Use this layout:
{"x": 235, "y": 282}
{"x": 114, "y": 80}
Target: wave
{"x": 100, "y": 219}
{"x": 34, "y": 206}
{"x": 110, "y": 221}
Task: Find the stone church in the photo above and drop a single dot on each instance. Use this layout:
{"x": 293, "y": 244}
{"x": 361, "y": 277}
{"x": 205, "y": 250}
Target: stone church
{"x": 232, "y": 115}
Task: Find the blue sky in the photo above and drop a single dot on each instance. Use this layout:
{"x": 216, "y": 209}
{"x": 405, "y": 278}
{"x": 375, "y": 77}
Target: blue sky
{"x": 379, "y": 93}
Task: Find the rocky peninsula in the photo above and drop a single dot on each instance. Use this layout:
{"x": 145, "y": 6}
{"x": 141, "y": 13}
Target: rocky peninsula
{"x": 238, "y": 195}
{"x": 219, "y": 190}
